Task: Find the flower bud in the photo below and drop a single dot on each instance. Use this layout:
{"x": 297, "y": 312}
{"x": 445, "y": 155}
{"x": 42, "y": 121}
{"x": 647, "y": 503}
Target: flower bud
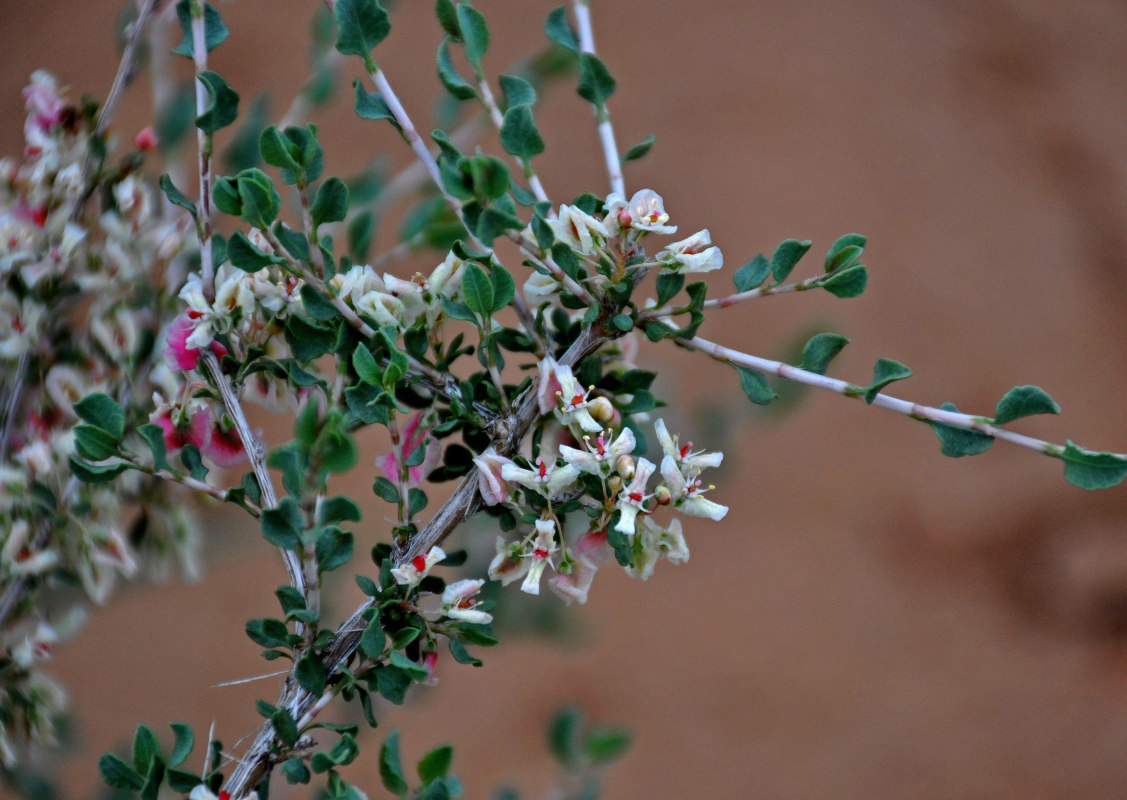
{"x": 601, "y": 409}
{"x": 614, "y": 483}
{"x": 662, "y": 495}
{"x": 624, "y": 464}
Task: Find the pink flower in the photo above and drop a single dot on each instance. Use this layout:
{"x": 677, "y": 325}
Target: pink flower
{"x": 413, "y": 434}
{"x": 224, "y": 448}
{"x": 146, "y": 139}
{"x": 176, "y": 350}
{"x": 490, "y": 481}
{"x": 181, "y": 429}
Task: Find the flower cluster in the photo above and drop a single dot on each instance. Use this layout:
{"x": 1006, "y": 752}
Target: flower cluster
{"x": 57, "y": 251}
{"x": 604, "y": 477}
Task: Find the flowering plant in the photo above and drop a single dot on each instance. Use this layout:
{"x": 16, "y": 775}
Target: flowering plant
{"x": 521, "y": 384}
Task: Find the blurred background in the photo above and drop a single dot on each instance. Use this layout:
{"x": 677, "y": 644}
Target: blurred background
{"x": 872, "y": 619}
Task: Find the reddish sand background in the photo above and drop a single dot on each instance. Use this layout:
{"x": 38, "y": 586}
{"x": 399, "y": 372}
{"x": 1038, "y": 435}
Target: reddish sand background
{"x": 872, "y": 619}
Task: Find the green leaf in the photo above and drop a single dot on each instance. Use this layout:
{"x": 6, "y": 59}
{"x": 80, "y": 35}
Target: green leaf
{"x": 447, "y": 18}
{"x": 786, "y": 256}
{"x": 596, "y": 84}
{"x": 246, "y": 256}
{"x": 844, "y": 251}
{"x": 145, "y": 749}
{"x": 436, "y": 763}
{"x": 268, "y": 632}
{"x": 93, "y": 444}
{"x": 282, "y": 525}
{"x": 475, "y": 33}
{"x": 372, "y": 105}
{"x": 318, "y": 307}
{"x": 461, "y": 655}
{"x": 450, "y": 77}
{"x": 373, "y": 639}
{"x": 519, "y": 135}
{"x": 190, "y": 458}
{"x": 604, "y": 746}
{"x": 175, "y": 196}
{"x": 331, "y": 202}
{"x": 517, "y": 91}
{"x": 276, "y": 149}
{"x": 284, "y": 726}
{"x": 259, "y": 199}
{"x": 104, "y": 413}
{"x": 639, "y": 150}
{"x": 94, "y": 473}
{"x": 885, "y": 371}
{"x": 565, "y": 735}
{"x": 958, "y": 442}
{"x": 333, "y": 549}
{"x": 820, "y": 351}
{"x": 385, "y": 489}
{"x": 477, "y": 289}
{"x": 223, "y": 107}
{"x": 295, "y": 771}
{"x": 751, "y": 274}
{"x": 118, "y": 774}
{"x": 367, "y": 369}
{"x": 338, "y": 509}
{"x": 1024, "y": 401}
{"x": 416, "y": 501}
{"x": 668, "y": 284}
{"x": 848, "y": 283}
{"x": 1089, "y": 469}
{"x": 391, "y": 769}
{"x": 559, "y": 31}
{"x": 503, "y": 287}
{"x": 755, "y": 386}
{"x": 361, "y": 25}
{"x": 215, "y": 32}
{"x": 310, "y": 674}
{"x": 184, "y": 741}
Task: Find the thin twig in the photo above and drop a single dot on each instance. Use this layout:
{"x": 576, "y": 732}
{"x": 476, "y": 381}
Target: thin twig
{"x": 582, "y": 11}
{"x": 126, "y": 70}
{"x": 917, "y": 411}
{"x": 203, "y": 148}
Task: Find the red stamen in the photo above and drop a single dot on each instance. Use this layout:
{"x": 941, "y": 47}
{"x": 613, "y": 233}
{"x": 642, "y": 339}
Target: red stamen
{"x": 636, "y": 497}
{"x": 542, "y": 467}
{"x": 419, "y": 563}
{"x": 685, "y": 450}
{"x": 577, "y": 399}
{"x": 540, "y": 552}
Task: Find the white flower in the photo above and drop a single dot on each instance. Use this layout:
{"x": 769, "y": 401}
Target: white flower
{"x": 458, "y": 602}
{"x": 417, "y": 568}
{"x": 683, "y": 455}
{"x": 695, "y": 254}
{"x": 539, "y": 286}
{"x": 687, "y": 492}
{"x": 645, "y": 212}
{"x": 632, "y": 499}
{"x": 509, "y": 563}
{"x": 545, "y": 480}
{"x": 540, "y": 556}
{"x": 571, "y": 402}
{"x": 383, "y": 307}
{"x": 579, "y": 230}
{"x": 599, "y": 454}
{"x": 420, "y": 295}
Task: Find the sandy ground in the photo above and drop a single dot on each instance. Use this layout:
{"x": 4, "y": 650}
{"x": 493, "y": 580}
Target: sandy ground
{"x": 872, "y": 619}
